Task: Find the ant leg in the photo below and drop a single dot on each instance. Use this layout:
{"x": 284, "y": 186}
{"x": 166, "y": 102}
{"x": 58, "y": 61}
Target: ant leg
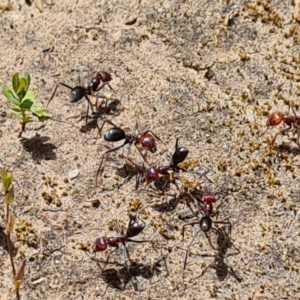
{"x": 294, "y": 112}
{"x": 225, "y": 223}
{"x": 233, "y": 274}
{"x": 157, "y": 137}
{"x": 196, "y": 200}
{"x": 203, "y": 272}
{"x": 52, "y": 96}
{"x": 111, "y": 87}
{"x": 106, "y": 261}
{"x": 138, "y": 180}
{"x": 111, "y": 123}
{"x": 110, "y": 150}
{"x": 105, "y": 121}
{"x": 125, "y": 251}
{"x": 140, "y": 151}
{"x": 200, "y": 174}
{"x": 103, "y": 85}
{"x": 297, "y": 127}
{"x": 282, "y": 131}
{"x": 88, "y": 108}
{"x": 102, "y": 97}
{"x": 207, "y": 236}
{"x": 139, "y": 173}
{"x": 265, "y": 131}
{"x": 186, "y": 253}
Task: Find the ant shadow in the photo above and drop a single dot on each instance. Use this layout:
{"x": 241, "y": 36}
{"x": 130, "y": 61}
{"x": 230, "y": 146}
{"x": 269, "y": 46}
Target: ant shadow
{"x": 223, "y": 270}
{"x": 167, "y": 205}
{"x": 119, "y": 278}
{"x": 287, "y": 148}
{"x": 3, "y": 242}
{"x": 38, "y": 147}
{"x": 112, "y": 108}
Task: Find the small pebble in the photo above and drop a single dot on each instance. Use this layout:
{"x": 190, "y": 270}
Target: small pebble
{"x": 73, "y": 174}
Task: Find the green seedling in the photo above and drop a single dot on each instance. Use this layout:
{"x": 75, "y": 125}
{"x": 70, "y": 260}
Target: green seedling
{"x": 23, "y": 101}
{"x": 9, "y": 197}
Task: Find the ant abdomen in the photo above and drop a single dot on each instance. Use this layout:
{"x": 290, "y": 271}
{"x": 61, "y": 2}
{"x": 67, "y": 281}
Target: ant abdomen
{"x": 135, "y": 228}
{"x": 77, "y": 93}
{"x": 180, "y": 155}
{"x": 205, "y": 223}
{"x": 114, "y": 134}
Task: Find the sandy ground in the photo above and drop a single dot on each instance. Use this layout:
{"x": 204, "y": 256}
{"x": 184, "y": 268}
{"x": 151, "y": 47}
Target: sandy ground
{"x": 206, "y": 72}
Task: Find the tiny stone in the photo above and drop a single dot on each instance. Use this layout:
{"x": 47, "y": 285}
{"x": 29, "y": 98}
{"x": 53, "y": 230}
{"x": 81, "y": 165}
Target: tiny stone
{"x": 73, "y": 174}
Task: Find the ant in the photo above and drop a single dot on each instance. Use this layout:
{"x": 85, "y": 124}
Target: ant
{"x": 78, "y": 92}
{"x": 134, "y": 228}
{"x": 153, "y": 173}
{"x": 145, "y": 141}
{"x": 290, "y": 120}
{"x": 205, "y": 206}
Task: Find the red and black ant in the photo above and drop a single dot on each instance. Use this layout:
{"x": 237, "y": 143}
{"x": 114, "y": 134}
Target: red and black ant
{"x": 290, "y": 120}
{"x": 153, "y": 173}
{"x": 101, "y": 79}
{"x": 142, "y": 141}
{"x": 205, "y": 206}
{"x": 134, "y": 228}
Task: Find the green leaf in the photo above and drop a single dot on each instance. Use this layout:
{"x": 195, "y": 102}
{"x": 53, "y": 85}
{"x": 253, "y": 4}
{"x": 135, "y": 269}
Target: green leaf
{"x": 46, "y": 115}
{"x": 22, "y": 88}
{"x": 6, "y": 178}
{"x": 15, "y": 82}
{"x": 37, "y": 111}
{"x": 40, "y": 113}
{"x": 10, "y": 95}
{"x": 16, "y": 111}
{"x": 26, "y": 104}
{"x": 27, "y": 120}
{"x": 30, "y": 95}
{"x": 27, "y": 78}
{"x": 43, "y": 118}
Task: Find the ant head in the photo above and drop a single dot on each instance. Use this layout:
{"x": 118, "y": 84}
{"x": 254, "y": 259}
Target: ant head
{"x": 150, "y": 174}
{"x": 180, "y": 155}
{"x": 209, "y": 197}
{"x": 77, "y": 93}
{"x": 104, "y": 76}
{"x": 147, "y": 142}
{"x": 135, "y": 227}
{"x": 114, "y": 134}
{"x": 275, "y": 119}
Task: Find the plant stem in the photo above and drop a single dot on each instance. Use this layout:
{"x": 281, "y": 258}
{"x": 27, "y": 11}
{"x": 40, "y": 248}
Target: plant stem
{"x": 10, "y": 250}
{"x": 23, "y": 124}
